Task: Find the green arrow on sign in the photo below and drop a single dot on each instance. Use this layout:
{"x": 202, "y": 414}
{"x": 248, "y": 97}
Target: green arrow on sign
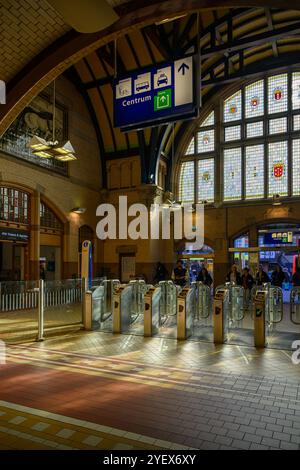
{"x": 163, "y": 100}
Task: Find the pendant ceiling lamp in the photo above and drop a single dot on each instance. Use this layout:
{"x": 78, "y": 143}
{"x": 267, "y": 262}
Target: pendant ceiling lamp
{"x": 85, "y": 16}
{"x": 43, "y": 149}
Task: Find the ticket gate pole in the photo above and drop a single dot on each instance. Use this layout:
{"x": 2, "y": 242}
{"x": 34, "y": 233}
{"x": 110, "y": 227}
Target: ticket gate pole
{"x": 117, "y": 321}
{"x": 185, "y": 307}
{"x": 220, "y": 315}
{"x": 260, "y": 304}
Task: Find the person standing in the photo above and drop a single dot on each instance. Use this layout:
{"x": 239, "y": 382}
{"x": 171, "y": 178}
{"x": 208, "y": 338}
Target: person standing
{"x": 278, "y": 276}
{"x": 179, "y": 275}
{"x": 160, "y": 273}
{"x": 247, "y": 282}
{"x": 204, "y": 277}
{"x": 234, "y": 275}
{"x": 296, "y": 278}
{"x": 261, "y": 277}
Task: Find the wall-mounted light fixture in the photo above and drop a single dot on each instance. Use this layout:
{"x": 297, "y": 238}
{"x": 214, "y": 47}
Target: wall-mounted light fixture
{"x": 79, "y": 210}
{"x": 276, "y": 200}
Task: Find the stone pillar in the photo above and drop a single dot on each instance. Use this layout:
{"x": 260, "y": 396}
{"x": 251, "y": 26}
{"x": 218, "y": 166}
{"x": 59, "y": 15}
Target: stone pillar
{"x": 34, "y": 246}
{"x": 220, "y": 261}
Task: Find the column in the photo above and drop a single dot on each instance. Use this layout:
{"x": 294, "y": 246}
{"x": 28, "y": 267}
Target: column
{"x": 34, "y": 245}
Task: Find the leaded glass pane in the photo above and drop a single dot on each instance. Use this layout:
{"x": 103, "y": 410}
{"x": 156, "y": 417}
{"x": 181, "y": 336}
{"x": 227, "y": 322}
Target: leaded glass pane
{"x": 206, "y": 180}
{"x": 296, "y": 90}
{"x": 187, "y": 182}
{"x": 232, "y": 174}
{"x": 254, "y": 99}
{"x": 233, "y": 107}
{"x": 296, "y": 125}
{"x": 278, "y": 94}
{"x": 232, "y": 133}
{"x": 278, "y": 168}
{"x": 255, "y": 171}
{"x": 209, "y": 121}
{"x": 191, "y": 147}
{"x": 278, "y": 126}
{"x": 206, "y": 141}
{"x": 255, "y": 129}
{"x": 296, "y": 167}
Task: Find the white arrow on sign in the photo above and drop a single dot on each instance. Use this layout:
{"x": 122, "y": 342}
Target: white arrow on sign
{"x": 183, "y": 71}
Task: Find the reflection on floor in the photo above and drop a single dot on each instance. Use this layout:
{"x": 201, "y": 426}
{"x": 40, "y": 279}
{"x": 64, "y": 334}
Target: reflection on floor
{"x": 97, "y": 390}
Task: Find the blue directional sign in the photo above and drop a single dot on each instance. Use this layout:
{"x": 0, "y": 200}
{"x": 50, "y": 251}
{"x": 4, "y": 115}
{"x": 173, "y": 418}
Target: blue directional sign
{"x": 157, "y": 95}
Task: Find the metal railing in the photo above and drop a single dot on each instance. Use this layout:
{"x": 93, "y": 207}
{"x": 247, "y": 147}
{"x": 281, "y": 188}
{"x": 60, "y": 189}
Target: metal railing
{"x": 21, "y": 295}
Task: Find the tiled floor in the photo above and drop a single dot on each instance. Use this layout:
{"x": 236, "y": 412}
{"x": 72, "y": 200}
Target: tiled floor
{"x": 96, "y": 390}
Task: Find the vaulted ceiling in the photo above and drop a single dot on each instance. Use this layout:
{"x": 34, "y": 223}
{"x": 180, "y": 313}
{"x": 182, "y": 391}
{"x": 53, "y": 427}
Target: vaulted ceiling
{"x": 235, "y": 38}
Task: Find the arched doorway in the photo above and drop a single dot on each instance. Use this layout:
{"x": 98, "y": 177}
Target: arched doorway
{"x": 195, "y": 260}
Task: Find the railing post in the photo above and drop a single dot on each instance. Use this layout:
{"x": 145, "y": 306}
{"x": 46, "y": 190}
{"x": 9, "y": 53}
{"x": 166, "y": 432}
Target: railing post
{"x": 87, "y": 310}
{"x": 40, "y": 336}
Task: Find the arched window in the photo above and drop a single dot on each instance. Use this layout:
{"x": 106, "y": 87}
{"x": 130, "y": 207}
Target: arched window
{"x": 48, "y": 219}
{"x": 197, "y": 173}
{"x": 14, "y": 205}
{"x": 259, "y": 141}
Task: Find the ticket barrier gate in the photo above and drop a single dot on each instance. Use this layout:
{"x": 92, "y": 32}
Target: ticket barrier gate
{"x": 202, "y": 322}
{"x": 282, "y": 320}
{"x": 168, "y": 309}
{"x": 185, "y": 312}
{"x": 295, "y": 306}
{"x": 221, "y": 314}
{"x": 129, "y": 307}
{"x": 102, "y": 304}
{"x": 268, "y": 311}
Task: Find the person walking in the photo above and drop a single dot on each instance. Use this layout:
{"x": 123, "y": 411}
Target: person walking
{"x": 234, "y": 275}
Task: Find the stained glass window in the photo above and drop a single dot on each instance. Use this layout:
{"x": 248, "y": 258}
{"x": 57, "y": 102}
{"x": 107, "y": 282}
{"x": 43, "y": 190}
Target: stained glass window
{"x": 296, "y": 125}
{"x": 278, "y": 168}
{"x": 296, "y": 90}
{"x": 232, "y": 174}
{"x": 278, "y": 93}
{"x": 254, "y": 99}
{"x": 296, "y": 167}
{"x": 191, "y": 147}
{"x": 209, "y": 121}
{"x": 262, "y": 122}
{"x": 255, "y": 172}
{"x": 255, "y": 129}
{"x": 206, "y": 180}
{"x": 14, "y": 205}
{"x": 232, "y": 133}
{"x": 278, "y": 126}
{"x": 206, "y": 141}
{"x": 187, "y": 182}
{"x": 233, "y": 107}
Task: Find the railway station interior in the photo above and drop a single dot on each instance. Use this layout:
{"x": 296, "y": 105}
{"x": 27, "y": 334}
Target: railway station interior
{"x": 149, "y": 342}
